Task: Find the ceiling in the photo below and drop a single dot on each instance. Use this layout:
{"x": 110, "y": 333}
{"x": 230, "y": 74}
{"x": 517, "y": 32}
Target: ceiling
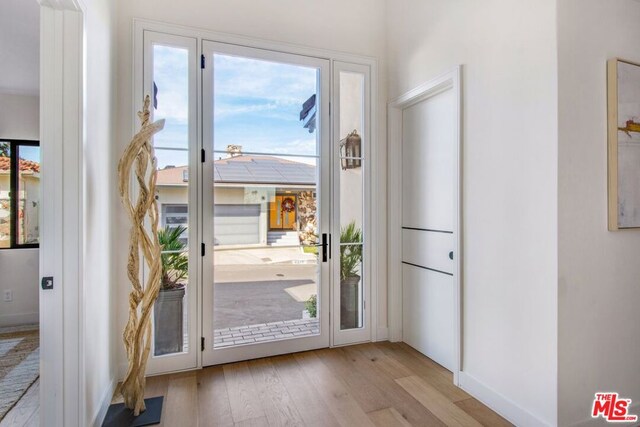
{"x": 19, "y": 46}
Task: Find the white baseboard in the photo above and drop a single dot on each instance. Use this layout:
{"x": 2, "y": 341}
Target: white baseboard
{"x": 19, "y": 319}
{"x": 382, "y": 334}
{"x": 499, "y": 403}
{"x": 597, "y": 422}
{"x": 105, "y": 401}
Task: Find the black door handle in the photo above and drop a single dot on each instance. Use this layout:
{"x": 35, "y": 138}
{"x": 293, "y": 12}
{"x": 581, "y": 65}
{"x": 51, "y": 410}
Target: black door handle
{"x": 451, "y": 255}
{"x": 325, "y": 244}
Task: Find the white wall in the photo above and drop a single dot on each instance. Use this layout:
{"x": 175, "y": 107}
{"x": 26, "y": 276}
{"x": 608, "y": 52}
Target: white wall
{"x": 508, "y": 49}
{"x": 99, "y": 281}
{"x": 19, "y": 119}
{"x": 355, "y": 27}
{"x": 599, "y": 272}
{"x": 19, "y": 116}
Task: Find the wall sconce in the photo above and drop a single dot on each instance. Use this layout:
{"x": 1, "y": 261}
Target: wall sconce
{"x": 351, "y": 151}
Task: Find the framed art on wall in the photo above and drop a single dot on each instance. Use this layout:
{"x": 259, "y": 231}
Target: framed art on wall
{"x": 623, "y": 99}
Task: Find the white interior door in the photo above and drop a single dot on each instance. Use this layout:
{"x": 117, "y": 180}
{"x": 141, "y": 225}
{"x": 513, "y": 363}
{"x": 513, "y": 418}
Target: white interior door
{"x": 266, "y": 196}
{"x": 429, "y": 226}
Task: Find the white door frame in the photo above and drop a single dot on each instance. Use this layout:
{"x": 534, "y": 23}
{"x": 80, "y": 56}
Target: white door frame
{"x": 378, "y": 229}
{"x": 61, "y": 245}
{"x": 449, "y": 81}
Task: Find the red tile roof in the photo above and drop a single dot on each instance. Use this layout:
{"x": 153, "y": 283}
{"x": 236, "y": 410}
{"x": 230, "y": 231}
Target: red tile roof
{"x": 25, "y": 165}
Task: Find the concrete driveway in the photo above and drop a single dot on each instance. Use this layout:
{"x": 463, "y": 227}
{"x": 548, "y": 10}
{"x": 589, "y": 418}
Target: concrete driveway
{"x": 261, "y": 285}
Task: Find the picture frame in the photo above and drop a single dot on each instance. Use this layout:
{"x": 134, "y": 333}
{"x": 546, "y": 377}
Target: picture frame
{"x": 623, "y": 141}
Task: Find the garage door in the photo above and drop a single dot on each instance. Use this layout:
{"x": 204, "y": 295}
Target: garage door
{"x": 236, "y": 224}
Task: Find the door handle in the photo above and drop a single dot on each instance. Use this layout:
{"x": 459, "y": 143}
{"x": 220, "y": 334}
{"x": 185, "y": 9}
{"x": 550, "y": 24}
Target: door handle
{"x": 451, "y": 255}
{"x": 324, "y": 245}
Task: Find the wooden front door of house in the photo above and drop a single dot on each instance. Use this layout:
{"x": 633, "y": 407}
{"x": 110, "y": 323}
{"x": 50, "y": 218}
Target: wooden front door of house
{"x": 282, "y": 212}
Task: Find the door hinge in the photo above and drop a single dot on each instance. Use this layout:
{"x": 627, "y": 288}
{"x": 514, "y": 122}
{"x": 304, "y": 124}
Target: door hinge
{"x": 202, "y": 248}
{"x": 202, "y": 61}
{"x": 201, "y": 343}
{"x": 202, "y": 158}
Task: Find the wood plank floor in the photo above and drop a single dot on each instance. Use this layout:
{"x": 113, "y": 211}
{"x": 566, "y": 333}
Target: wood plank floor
{"x": 380, "y": 384}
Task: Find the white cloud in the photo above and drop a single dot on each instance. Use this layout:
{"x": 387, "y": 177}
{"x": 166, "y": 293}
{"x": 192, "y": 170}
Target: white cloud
{"x": 282, "y": 84}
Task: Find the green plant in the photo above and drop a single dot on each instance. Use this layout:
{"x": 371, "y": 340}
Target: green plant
{"x": 350, "y": 255}
{"x": 311, "y": 305}
{"x": 175, "y": 263}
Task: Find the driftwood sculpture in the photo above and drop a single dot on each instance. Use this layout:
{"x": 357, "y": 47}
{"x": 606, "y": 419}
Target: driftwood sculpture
{"x": 139, "y": 157}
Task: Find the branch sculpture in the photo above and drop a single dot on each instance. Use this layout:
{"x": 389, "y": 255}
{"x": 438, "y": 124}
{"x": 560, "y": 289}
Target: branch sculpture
{"x": 139, "y": 158}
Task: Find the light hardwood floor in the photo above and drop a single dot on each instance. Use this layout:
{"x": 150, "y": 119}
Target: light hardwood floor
{"x": 381, "y": 384}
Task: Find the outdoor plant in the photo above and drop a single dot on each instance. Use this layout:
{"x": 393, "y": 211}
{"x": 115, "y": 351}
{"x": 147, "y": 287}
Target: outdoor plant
{"x": 350, "y": 255}
{"x": 175, "y": 263}
{"x": 311, "y": 305}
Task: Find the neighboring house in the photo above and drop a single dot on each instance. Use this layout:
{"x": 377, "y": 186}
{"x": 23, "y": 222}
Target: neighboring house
{"x": 259, "y": 200}
{"x": 28, "y": 188}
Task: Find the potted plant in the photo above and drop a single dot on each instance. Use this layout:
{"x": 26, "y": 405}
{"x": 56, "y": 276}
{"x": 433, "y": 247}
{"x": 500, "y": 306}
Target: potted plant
{"x": 168, "y": 310}
{"x": 350, "y": 261}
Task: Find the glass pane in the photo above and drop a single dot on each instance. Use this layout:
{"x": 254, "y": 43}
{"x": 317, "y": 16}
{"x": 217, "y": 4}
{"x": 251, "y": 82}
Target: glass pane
{"x": 351, "y": 194}
{"x": 5, "y": 188}
{"x": 171, "y": 102}
{"x": 351, "y": 297}
{"x": 351, "y": 105}
{"x": 351, "y": 198}
{"x": 266, "y": 267}
{"x": 264, "y": 107}
{"x": 28, "y": 195}
{"x": 351, "y": 185}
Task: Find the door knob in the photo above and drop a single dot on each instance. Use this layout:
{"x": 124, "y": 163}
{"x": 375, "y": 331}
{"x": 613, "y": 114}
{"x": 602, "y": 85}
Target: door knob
{"x": 451, "y": 255}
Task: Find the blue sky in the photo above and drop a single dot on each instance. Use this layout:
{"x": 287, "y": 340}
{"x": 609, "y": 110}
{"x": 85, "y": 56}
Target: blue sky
{"x": 256, "y": 104}
{"x": 29, "y": 153}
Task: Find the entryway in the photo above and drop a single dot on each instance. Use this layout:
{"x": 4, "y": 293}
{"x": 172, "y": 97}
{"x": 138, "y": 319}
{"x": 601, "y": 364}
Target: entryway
{"x": 271, "y": 247}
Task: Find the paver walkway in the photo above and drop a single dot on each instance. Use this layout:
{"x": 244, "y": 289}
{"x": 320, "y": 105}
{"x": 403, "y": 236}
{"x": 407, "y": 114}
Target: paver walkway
{"x": 271, "y": 331}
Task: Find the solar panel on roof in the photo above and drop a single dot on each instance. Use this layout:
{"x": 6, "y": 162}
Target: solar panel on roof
{"x": 264, "y": 169}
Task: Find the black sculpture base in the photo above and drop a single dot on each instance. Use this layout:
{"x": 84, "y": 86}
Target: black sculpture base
{"x": 119, "y": 416}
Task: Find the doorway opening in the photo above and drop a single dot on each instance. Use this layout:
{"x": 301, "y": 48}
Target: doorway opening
{"x": 20, "y": 210}
{"x": 267, "y": 193}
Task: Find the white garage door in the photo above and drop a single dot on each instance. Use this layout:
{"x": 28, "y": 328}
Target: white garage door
{"x": 236, "y": 224}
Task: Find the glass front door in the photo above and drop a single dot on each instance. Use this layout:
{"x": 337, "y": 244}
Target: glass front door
{"x": 265, "y": 203}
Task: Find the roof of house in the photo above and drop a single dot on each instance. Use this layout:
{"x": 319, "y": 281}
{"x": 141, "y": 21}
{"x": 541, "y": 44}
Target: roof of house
{"x": 25, "y": 165}
{"x": 244, "y": 169}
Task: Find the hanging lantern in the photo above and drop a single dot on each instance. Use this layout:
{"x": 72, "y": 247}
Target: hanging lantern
{"x": 351, "y": 151}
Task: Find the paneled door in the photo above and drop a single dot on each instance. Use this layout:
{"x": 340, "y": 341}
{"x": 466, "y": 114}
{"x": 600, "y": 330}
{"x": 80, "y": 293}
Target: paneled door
{"x": 429, "y": 226}
{"x": 266, "y": 152}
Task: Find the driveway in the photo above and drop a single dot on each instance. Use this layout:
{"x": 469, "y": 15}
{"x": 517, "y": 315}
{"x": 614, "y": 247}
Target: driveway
{"x": 261, "y": 285}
